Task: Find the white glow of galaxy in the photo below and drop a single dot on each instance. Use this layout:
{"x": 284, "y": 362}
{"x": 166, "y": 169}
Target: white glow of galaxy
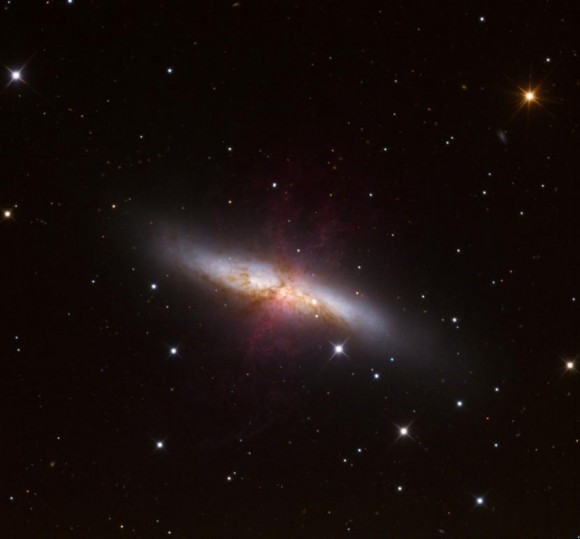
{"x": 276, "y": 286}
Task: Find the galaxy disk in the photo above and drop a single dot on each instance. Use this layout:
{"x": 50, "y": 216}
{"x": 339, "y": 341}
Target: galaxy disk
{"x": 278, "y": 288}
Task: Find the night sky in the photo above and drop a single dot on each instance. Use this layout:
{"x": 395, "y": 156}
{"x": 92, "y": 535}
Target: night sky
{"x": 289, "y": 269}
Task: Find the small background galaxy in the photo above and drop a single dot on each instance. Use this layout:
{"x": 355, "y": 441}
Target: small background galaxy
{"x": 412, "y": 163}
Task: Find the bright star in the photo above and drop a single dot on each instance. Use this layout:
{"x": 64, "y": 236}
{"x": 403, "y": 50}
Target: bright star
{"x": 404, "y": 431}
{"x": 570, "y": 365}
{"x": 15, "y": 75}
{"x": 153, "y": 286}
{"x": 160, "y": 445}
{"x": 529, "y": 96}
{"x": 339, "y": 350}
{"x": 173, "y": 351}
{"x": 7, "y": 214}
{"x": 479, "y": 500}
{"x": 459, "y": 404}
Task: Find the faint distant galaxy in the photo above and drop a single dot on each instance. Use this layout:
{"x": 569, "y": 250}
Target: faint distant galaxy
{"x": 279, "y": 296}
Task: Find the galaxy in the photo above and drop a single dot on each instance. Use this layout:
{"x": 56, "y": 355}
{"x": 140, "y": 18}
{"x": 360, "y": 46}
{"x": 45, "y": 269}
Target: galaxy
{"x": 289, "y": 270}
{"x": 277, "y": 289}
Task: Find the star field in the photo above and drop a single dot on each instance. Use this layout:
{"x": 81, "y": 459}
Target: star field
{"x": 289, "y": 270}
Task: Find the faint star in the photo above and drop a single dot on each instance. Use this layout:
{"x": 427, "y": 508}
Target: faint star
{"x": 400, "y": 488}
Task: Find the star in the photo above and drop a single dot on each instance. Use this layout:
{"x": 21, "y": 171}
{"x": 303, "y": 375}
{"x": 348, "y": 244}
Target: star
{"x": 153, "y": 286}
{"x": 339, "y": 349}
{"x": 403, "y": 431}
{"x": 173, "y": 351}
{"x": 15, "y": 75}
{"x": 159, "y": 445}
{"x": 529, "y": 96}
{"x": 479, "y": 500}
{"x": 570, "y": 365}
{"x": 459, "y": 404}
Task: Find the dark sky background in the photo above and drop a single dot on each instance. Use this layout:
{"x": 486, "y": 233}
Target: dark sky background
{"x": 136, "y": 403}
